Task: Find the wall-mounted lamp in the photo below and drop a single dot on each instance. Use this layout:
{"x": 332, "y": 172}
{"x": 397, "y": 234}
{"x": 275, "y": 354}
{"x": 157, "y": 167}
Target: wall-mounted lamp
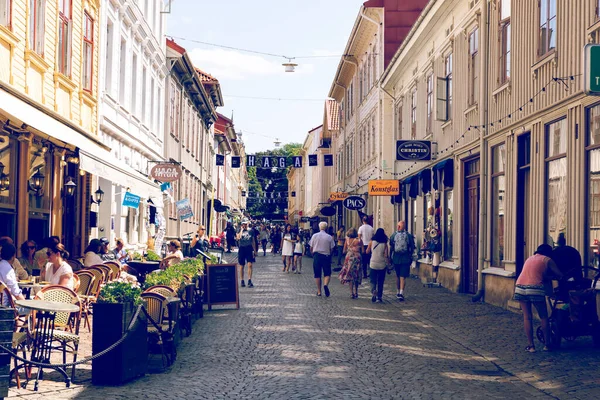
{"x": 36, "y": 182}
{"x": 70, "y": 187}
{"x": 4, "y": 181}
{"x": 73, "y": 160}
{"x": 98, "y": 196}
{"x": 1, "y": 168}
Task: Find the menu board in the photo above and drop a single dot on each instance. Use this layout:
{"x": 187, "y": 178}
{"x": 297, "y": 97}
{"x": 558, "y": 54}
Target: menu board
{"x": 222, "y": 285}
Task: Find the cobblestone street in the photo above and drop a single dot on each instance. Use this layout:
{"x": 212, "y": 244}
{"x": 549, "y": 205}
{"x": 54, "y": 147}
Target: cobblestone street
{"x": 287, "y": 343}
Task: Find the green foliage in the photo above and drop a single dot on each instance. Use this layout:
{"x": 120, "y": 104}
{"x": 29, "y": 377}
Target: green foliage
{"x": 120, "y": 292}
{"x": 136, "y": 256}
{"x": 177, "y": 274}
{"x": 152, "y": 256}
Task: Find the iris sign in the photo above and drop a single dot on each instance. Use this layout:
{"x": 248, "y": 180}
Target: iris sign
{"x": 354, "y": 203}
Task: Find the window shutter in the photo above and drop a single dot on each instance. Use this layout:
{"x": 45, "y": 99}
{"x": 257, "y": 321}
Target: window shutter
{"x": 40, "y": 27}
{"x": 441, "y": 104}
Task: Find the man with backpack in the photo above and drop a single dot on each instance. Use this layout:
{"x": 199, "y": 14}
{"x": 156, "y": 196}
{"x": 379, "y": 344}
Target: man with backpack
{"x": 402, "y": 245}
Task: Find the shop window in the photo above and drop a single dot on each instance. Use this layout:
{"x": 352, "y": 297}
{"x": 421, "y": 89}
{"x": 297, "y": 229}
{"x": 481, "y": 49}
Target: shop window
{"x": 414, "y": 216}
{"x": 498, "y": 204}
{"x": 65, "y": 27}
{"x": 556, "y": 183}
{"x": 592, "y": 255}
{"x": 448, "y": 232}
{"x": 8, "y": 152}
{"x": 504, "y": 41}
{"x": 547, "y": 38}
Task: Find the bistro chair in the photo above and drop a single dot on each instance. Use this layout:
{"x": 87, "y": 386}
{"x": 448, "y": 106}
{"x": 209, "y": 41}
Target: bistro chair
{"x": 165, "y": 290}
{"x": 106, "y": 271}
{"x": 159, "y": 330}
{"x": 75, "y": 265}
{"x": 115, "y": 269}
{"x": 86, "y": 279}
{"x": 76, "y": 282}
{"x": 19, "y": 337}
{"x": 66, "y": 325}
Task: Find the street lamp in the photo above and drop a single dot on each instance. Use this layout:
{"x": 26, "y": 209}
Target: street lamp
{"x": 70, "y": 187}
{"x": 4, "y": 182}
{"x": 98, "y": 196}
{"x": 36, "y": 182}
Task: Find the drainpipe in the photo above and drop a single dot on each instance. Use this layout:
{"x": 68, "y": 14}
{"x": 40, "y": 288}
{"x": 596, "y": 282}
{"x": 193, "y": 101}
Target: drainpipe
{"x": 483, "y": 175}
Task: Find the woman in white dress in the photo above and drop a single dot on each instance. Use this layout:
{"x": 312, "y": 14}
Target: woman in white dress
{"x": 58, "y": 271}
{"x": 92, "y": 253}
{"x": 298, "y": 253}
{"x": 287, "y": 248}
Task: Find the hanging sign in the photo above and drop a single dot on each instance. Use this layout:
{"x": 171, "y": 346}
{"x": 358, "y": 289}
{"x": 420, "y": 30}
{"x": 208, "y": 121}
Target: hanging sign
{"x": 354, "y": 203}
{"x": 166, "y": 172}
{"x": 591, "y": 75}
{"x": 384, "y": 187}
{"x": 165, "y": 186}
{"x": 251, "y": 161}
{"x": 184, "y": 209}
{"x": 297, "y": 161}
{"x": 220, "y": 160}
{"x": 336, "y": 196}
{"x": 236, "y": 162}
{"x": 328, "y": 160}
{"x": 413, "y": 150}
{"x": 131, "y": 200}
{"x": 328, "y": 211}
{"x": 312, "y": 160}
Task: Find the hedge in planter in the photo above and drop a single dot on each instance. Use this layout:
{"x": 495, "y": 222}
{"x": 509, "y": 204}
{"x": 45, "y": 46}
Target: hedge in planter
{"x": 116, "y": 306}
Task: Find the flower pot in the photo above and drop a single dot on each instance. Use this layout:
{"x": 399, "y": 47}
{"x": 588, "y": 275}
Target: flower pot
{"x": 128, "y": 360}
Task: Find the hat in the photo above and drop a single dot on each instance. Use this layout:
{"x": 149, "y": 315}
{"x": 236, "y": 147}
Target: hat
{"x": 104, "y": 240}
{"x": 245, "y": 221}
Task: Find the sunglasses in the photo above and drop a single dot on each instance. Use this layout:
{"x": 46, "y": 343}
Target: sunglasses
{"x": 49, "y": 253}
{"x": 31, "y": 247}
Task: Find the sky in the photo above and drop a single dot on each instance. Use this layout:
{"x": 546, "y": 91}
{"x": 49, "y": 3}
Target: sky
{"x": 293, "y": 28}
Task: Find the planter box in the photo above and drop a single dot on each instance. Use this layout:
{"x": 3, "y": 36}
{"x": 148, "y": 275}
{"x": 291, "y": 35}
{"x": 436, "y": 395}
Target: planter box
{"x": 127, "y": 361}
{"x": 7, "y": 321}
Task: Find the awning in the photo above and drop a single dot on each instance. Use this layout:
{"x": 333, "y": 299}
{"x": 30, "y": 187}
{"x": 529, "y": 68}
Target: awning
{"x": 412, "y": 187}
{"x": 119, "y": 173}
{"x": 443, "y": 169}
{"x": 425, "y": 180}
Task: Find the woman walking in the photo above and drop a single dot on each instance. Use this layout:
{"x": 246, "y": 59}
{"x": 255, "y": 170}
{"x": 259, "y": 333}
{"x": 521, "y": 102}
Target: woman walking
{"x": 264, "y": 239}
{"x": 298, "y": 253}
{"x": 378, "y": 248}
{"x": 530, "y": 289}
{"x": 351, "y": 272}
{"x": 287, "y": 248}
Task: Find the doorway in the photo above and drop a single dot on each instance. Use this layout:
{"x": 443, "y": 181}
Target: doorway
{"x": 471, "y": 232}
{"x": 523, "y": 249}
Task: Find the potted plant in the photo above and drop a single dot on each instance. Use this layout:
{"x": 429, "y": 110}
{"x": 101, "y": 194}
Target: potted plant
{"x": 113, "y": 313}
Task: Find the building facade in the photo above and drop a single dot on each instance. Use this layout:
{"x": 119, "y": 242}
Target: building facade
{"x": 49, "y": 58}
{"x": 516, "y": 158}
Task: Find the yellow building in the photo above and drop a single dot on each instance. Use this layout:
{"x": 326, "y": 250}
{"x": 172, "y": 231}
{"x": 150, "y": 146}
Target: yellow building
{"x": 48, "y": 114}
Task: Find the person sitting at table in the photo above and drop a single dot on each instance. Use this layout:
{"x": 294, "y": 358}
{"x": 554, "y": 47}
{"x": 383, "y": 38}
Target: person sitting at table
{"x": 40, "y": 256}
{"x": 105, "y": 253}
{"x": 27, "y": 258}
{"x": 120, "y": 252}
{"x": 8, "y": 277}
{"x": 174, "y": 255}
{"x": 58, "y": 271}
{"x": 92, "y": 253}
{"x": 19, "y": 270}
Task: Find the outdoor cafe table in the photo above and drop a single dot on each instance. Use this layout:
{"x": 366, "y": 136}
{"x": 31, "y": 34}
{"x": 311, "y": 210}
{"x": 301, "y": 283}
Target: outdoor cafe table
{"x": 29, "y": 286}
{"x": 144, "y": 268}
{"x": 44, "y": 332}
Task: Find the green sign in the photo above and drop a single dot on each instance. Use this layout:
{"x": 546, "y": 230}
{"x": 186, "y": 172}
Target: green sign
{"x": 592, "y": 69}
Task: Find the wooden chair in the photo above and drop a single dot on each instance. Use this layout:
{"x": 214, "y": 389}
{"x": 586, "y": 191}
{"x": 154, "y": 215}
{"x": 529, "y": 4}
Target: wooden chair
{"x": 20, "y": 337}
{"x": 115, "y": 269}
{"x": 86, "y": 279}
{"x": 75, "y": 265}
{"x": 165, "y": 290}
{"x": 106, "y": 272}
{"x": 158, "y": 329}
{"x": 66, "y": 325}
{"x": 76, "y": 282}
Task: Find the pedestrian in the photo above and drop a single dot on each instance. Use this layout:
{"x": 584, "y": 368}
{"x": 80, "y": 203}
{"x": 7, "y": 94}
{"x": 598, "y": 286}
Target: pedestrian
{"x": 298, "y": 253}
{"x": 365, "y": 233}
{"x": 264, "y": 239}
{"x": 275, "y": 240}
{"x": 537, "y": 271}
{"x": 341, "y": 239}
{"x": 246, "y": 251}
{"x": 230, "y": 236}
{"x": 402, "y": 245}
{"x": 287, "y": 248}
{"x": 351, "y": 271}
{"x": 379, "y": 251}
{"x": 321, "y": 245}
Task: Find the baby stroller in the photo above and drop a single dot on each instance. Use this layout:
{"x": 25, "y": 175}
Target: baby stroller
{"x": 573, "y": 308}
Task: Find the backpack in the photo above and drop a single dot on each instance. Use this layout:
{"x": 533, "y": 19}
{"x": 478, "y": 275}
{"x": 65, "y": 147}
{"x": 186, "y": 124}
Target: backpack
{"x": 401, "y": 243}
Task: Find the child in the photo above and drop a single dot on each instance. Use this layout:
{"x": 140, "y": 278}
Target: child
{"x": 298, "y": 253}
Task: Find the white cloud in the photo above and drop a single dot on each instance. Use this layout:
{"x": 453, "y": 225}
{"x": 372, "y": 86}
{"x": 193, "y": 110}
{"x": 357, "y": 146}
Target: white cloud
{"x": 236, "y": 65}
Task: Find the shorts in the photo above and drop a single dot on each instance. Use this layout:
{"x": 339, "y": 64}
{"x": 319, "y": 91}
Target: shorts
{"x": 534, "y": 294}
{"x": 246, "y": 254}
{"x": 298, "y": 254}
{"x": 321, "y": 265}
{"x": 402, "y": 270}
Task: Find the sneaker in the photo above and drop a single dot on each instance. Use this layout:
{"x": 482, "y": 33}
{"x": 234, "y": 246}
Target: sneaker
{"x": 243, "y": 284}
{"x": 250, "y": 283}
{"x": 373, "y": 299}
{"x": 400, "y": 297}
{"x": 326, "y": 289}
{"x": 530, "y": 349}
{"x": 379, "y": 300}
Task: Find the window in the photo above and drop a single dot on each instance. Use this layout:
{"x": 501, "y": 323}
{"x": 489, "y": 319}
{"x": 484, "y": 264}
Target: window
{"x": 413, "y": 114}
{"x": 134, "y": 79}
{"x": 474, "y": 66}
{"x": 65, "y": 23}
{"x": 556, "y": 185}
{"x": 415, "y": 217}
{"x": 144, "y": 89}
{"x": 123, "y": 72}
{"x": 448, "y": 69}
{"x": 448, "y": 223}
{"x": 429, "y": 103}
{"x": 498, "y": 204}
{"x": 5, "y": 12}
{"x": 37, "y": 25}
{"x": 88, "y": 51}
{"x": 547, "y": 26}
{"x": 109, "y": 57}
{"x": 361, "y": 84}
{"x": 593, "y": 236}
{"x": 504, "y": 41}
{"x": 399, "y": 119}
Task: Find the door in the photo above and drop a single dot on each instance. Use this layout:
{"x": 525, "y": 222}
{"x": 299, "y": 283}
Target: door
{"x": 523, "y": 249}
{"x": 471, "y": 232}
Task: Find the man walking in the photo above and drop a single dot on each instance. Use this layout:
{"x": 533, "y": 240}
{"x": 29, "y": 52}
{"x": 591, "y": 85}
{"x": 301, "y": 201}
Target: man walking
{"x": 321, "y": 245}
{"x": 365, "y": 233}
{"x": 402, "y": 245}
{"x": 247, "y": 250}
{"x": 229, "y": 236}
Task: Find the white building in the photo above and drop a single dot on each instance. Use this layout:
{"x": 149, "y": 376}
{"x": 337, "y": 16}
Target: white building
{"x": 131, "y": 113}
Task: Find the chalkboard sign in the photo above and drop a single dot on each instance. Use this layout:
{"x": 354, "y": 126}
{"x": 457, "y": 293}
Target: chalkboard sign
{"x": 222, "y": 285}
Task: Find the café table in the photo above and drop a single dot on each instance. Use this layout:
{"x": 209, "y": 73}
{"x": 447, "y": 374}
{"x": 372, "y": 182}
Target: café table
{"x": 144, "y": 268}
{"x": 29, "y": 286}
{"x": 43, "y": 333}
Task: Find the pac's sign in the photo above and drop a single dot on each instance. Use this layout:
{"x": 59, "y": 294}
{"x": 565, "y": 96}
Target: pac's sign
{"x": 591, "y": 75}
{"x": 166, "y": 172}
{"x": 354, "y": 203}
{"x": 384, "y": 187}
{"x": 413, "y": 150}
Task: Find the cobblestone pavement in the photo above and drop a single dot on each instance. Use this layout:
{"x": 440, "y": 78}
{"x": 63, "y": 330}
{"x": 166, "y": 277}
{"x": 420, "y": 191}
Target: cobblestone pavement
{"x": 286, "y": 343}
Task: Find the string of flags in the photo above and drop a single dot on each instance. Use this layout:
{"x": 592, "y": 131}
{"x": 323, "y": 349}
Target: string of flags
{"x": 276, "y": 161}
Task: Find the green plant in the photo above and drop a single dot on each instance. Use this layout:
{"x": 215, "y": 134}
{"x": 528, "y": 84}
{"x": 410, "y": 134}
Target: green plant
{"x": 176, "y": 275}
{"x": 136, "y": 256}
{"x": 120, "y": 292}
{"x": 212, "y": 260}
{"x": 152, "y": 256}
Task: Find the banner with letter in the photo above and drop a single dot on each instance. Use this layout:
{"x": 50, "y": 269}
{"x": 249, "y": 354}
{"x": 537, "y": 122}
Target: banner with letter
{"x": 384, "y": 187}
{"x": 131, "y": 200}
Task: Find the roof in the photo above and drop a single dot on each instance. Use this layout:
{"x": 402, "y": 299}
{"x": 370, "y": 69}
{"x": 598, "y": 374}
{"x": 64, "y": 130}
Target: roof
{"x": 171, "y": 44}
{"x": 206, "y": 77}
{"x": 332, "y": 109}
